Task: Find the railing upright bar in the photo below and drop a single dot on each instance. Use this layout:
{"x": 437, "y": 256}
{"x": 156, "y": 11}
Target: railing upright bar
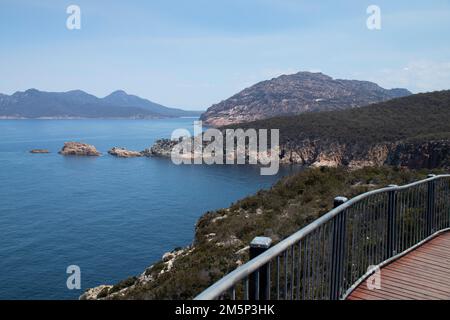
{"x": 307, "y": 280}
{"x": 293, "y": 272}
{"x": 447, "y": 206}
{"x": 257, "y": 286}
{"x": 268, "y": 285}
{"x": 259, "y": 279}
{"x": 305, "y": 263}
{"x": 430, "y": 205}
{"x": 392, "y": 223}
{"x": 313, "y": 264}
{"x": 337, "y": 249}
{"x": 246, "y": 289}
{"x": 285, "y": 275}
{"x": 278, "y": 277}
{"x": 299, "y": 264}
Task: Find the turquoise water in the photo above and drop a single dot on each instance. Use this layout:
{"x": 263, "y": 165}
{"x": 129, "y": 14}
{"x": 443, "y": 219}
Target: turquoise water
{"x": 111, "y": 217}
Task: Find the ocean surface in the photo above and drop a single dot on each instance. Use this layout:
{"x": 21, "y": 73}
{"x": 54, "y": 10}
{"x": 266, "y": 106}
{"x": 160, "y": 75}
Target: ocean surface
{"x": 111, "y": 217}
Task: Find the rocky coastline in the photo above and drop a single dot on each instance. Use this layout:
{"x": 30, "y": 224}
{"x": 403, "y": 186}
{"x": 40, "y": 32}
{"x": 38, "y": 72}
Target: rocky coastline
{"x": 39, "y": 151}
{"x": 327, "y": 157}
{"x": 315, "y": 153}
{"x": 428, "y": 154}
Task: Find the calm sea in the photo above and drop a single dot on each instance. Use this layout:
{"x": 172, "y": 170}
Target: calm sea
{"x": 111, "y": 217}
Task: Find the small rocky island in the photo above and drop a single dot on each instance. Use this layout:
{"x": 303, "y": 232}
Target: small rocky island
{"x": 161, "y": 148}
{"x": 124, "y": 153}
{"x": 37, "y": 151}
{"x": 78, "y": 149}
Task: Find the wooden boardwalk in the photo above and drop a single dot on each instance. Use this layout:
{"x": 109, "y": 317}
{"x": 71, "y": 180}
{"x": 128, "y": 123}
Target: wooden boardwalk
{"x": 422, "y": 274}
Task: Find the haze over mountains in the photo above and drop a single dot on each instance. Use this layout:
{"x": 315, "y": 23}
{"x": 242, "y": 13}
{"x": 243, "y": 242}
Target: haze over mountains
{"x": 294, "y": 94}
{"x": 34, "y": 104}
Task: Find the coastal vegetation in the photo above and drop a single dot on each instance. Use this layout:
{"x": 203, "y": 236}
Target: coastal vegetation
{"x": 222, "y": 236}
{"x": 417, "y": 117}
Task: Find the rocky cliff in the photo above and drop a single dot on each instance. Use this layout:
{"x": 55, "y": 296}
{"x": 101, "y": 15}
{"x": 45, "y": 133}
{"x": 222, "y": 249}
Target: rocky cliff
{"x": 427, "y": 154}
{"x": 412, "y": 155}
{"x": 295, "y": 94}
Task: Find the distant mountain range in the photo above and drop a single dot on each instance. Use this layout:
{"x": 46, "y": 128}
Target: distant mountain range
{"x": 294, "y": 94}
{"x": 34, "y": 104}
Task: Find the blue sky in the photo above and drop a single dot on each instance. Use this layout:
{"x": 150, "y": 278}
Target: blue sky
{"x": 192, "y": 54}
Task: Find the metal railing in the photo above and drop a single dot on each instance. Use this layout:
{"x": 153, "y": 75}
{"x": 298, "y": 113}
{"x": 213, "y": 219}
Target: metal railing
{"x": 325, "y": 259}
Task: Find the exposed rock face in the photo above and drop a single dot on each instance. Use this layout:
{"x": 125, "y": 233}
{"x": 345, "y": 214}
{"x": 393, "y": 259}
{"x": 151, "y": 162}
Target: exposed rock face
{"x": 322, "y": 154}
{"x": 124, "y": 153}
{"x": 78, "y": 149}
{"x": 317, "y": 153}
{"x": 108, "y": 292}
{"x": 161, "y": 148}
{"x": 295, "y": 94}
{"x": 95, "y": 293}
{"x": 431, "y": 154}
{"x": 39, "y": 151}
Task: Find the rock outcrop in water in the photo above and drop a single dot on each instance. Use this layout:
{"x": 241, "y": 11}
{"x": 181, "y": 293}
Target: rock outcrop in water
{"x": 39, "y": 151}
{"x": 78, "y": 149}
{"x": 124, "y": 153}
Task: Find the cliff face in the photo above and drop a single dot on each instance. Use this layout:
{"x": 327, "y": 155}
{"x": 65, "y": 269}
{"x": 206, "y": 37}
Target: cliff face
{"x": 295, "y": 94}
{"x": 432, "y": 154}
{"x": 412, "y": 155}
{"x": 317, "y": 153}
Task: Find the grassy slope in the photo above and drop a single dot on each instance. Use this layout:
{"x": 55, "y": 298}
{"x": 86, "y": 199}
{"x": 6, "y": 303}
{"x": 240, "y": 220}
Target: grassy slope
{"x": 290, "y": 204}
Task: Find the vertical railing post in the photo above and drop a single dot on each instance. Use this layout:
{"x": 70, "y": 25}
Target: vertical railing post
{"x": 259, "y": 282}
{"x": 391, "y": 246}
{"x": 431, "y": 202}
{"x": 338, "y": 250}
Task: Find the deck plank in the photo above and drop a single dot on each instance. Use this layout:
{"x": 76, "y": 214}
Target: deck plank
{"x": 422, "y": 274}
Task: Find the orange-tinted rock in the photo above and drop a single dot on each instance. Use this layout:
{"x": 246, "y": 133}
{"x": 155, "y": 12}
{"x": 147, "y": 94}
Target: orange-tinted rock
{"x": 78, "y": 149}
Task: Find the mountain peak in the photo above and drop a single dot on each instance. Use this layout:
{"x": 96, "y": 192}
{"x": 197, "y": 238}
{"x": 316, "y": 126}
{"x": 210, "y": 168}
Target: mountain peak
{"x": 119, "y": 93}
{"x": 288, "y": 95}
{"x": 32, "y": 91}
{"x": 78, "y": 92}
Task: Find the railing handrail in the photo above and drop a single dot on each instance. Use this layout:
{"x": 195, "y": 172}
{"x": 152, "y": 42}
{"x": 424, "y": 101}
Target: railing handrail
{"x": 227, "y": 282}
